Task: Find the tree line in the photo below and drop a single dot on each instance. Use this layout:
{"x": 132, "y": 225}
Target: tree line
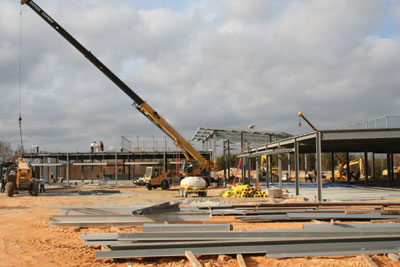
{"x": 7, "y": 153}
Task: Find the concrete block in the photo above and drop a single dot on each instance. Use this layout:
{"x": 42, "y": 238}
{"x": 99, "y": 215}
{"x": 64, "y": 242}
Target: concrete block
{"x": 275, "y": 192}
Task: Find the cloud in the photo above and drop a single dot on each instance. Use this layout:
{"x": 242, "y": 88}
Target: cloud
{"x": 214, "y": 63}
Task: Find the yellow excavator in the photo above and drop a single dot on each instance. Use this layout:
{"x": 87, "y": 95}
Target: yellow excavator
{"x": 156, "y": 178}
{"x": 356, "y": 169}
{"x": 275, "y": 171}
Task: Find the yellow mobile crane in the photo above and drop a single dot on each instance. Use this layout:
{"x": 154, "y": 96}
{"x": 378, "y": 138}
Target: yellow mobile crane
{"x": 203, "y": 166}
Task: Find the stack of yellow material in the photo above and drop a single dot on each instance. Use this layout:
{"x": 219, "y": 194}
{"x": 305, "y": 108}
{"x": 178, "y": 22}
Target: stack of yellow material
{"x": 243, "y": 191}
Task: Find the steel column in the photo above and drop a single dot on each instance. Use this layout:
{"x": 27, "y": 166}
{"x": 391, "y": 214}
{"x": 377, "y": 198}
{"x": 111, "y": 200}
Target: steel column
{"x": 348, "y": 169}
{"x": 257, "y": 170}
{"x": 289, "y": 168}
{"x": 305, "y": 163}
{"x": 223, "y": 149}
{"x": 333, "y": 167}
{"x": 116, "y": 168}
{"x": 388, "y": 167}
{"x": 214, "y": 147}
{"x": 280, "y": 170}
{"x": 373, "y": 167}
{"x": 229, "y": 161}
{"x": 248, "y": 180}
{"x": 297, "y": 165}
{"x": 243, "y": 160}
{"x": 318, "y": 160}
{"x": 68, "y": 169}
{"x": 365, "y": 167}
{"x": 267, "y": 170}
{"x": 392, "y": 169}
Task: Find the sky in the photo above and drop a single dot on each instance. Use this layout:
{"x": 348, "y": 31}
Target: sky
{"x": 211, "y": 63}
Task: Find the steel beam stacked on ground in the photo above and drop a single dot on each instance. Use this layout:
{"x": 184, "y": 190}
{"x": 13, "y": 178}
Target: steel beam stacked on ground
{"x": 323, "y": 241}
{"x": 121, "y": 220}
{"x": 318, "y": 216}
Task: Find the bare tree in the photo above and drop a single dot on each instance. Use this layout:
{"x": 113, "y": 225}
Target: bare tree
{"x": 6, "y": 151}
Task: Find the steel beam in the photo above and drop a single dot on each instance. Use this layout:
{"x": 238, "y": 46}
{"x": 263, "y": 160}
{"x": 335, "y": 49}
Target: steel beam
{"x": 283, "y": 247}
{"x": 261, "y": 236}
{"x": 319, "y": 165}
{"x": 160, "y": 228}
{"x": 120, "y": 220}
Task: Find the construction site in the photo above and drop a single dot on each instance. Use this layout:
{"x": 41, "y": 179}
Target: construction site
{"x": 225, "y": 197}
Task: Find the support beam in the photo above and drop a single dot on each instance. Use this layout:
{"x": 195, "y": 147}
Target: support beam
{"x": 333, "y": 167}
{"x": 270, "y": 168}
{"x": 348, "y": 169}
{"x": 289, "y": 168}
{"x": 319, "y": 167}
{"x": 366, "y": 167}
{"x": 267, "y": 175}
{"x": 373, "y": 167}
{"x": 116, "y": 168}
{"x": 305, "y": 163}
{"x": 389, "y": 169}
{"x": 241, "y": 149}
{"x": 297, "y": 166}
{"x": 257, "y": 169}
{"x": 68, "y": 169}
{"x": 224, "y": 152}
{"x": 229, "y": 162}
{"x": 280, "y": 170}
{"x": 214, "y": 147}
{"x": 392, "y": 169}
{"x": 248, "y": 180}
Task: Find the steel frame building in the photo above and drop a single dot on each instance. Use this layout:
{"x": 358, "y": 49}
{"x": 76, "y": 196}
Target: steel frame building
{"x": 330, "y": 141}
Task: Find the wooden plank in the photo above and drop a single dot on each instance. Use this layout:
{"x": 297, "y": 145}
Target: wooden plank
{"x": 240, "y": 260}
{"x": 386, "y": 221}
{"x": 192, "y": 259}
{"x": 394, "y": 257}
{"x": 369, "y": 261}
{"x": 105, "y": 248}
{"x": 362, "y": 211}
{"x": 390, "y": 211}
{"x": 318, "y": 222}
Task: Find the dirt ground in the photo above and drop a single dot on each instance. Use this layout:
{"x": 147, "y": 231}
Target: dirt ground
{"x": 27, "y": 239}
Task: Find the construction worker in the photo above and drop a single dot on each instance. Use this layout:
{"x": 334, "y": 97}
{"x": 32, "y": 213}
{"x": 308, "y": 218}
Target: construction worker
{"x": 42, "y": 182}
{"x": 3, "y": 184}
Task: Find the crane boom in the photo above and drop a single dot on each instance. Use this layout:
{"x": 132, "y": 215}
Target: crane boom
{"x": 138, "y": 102}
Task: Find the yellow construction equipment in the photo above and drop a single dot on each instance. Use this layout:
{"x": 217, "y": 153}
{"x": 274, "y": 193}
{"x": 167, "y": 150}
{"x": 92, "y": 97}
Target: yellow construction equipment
{"x": 20, "y": 177}
{"x": 244, "y": 191}
{"x": 396, "y": 171}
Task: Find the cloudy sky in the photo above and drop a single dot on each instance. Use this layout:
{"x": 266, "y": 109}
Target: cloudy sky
{"x": 213, "y": 63}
